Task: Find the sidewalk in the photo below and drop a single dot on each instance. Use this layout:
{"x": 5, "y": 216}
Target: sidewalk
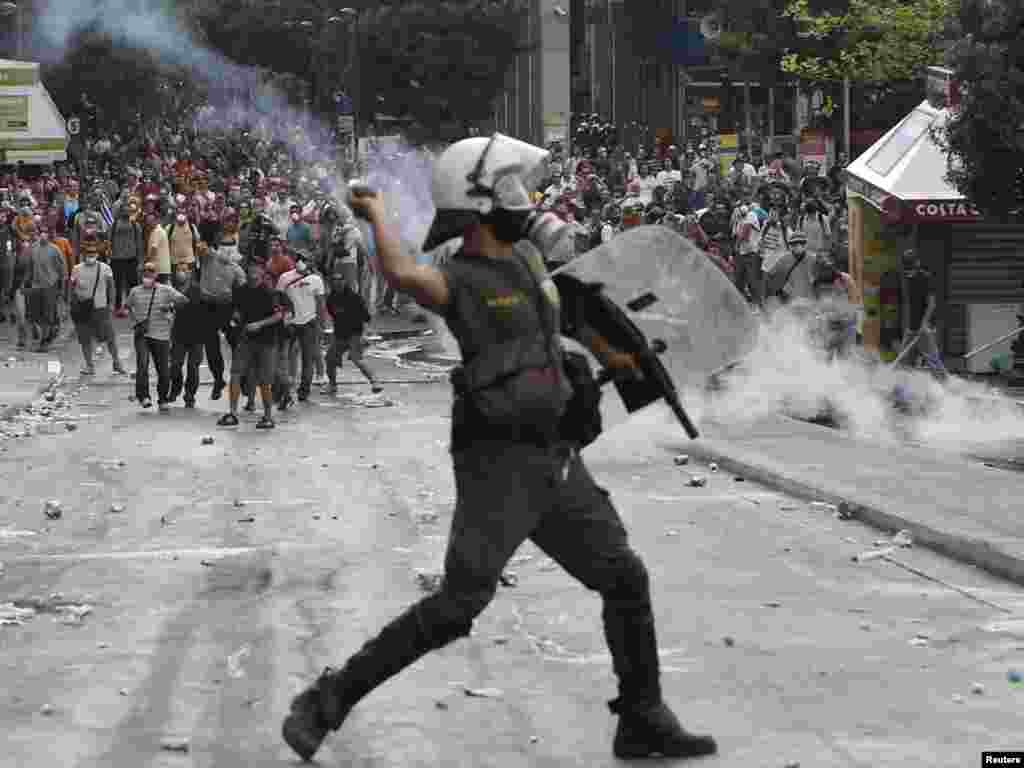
{"x": 963, "y": 510}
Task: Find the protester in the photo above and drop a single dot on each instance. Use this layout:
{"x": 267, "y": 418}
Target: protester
{"x": 348, "y": 316}
{"x": 92, "y": 289}
{"x": 150, "y": 308}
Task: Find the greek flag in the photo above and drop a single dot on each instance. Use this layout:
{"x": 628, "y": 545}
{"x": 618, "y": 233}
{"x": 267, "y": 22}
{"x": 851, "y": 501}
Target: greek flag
{"x": 107, "y": 214}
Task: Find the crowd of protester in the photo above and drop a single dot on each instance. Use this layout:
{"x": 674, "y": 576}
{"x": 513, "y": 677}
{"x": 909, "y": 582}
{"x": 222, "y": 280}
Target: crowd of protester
{"x": 206, "y": 241}
{"x": 778, "y": 230}
{"x": 213, "y": 239}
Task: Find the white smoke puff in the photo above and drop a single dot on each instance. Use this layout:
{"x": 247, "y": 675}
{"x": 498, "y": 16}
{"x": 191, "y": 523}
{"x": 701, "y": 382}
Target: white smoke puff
{"x": 239, "y": 95}
{"x": 788, "y": 373}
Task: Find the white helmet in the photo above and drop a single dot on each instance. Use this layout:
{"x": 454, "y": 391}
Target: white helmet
{"x": 476, "y": 176}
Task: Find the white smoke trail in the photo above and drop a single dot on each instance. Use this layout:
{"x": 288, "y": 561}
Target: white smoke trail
{"x": 788, "y": 373}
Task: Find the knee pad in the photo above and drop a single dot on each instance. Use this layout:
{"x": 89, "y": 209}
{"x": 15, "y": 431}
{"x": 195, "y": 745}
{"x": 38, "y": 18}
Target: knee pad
{"x": 445, "y": 616}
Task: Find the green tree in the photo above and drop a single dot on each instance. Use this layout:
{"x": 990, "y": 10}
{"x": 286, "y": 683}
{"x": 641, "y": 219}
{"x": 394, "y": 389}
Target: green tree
{"x": 874, "y": 41}
{"x": 985, "y": 137}
{"x": 432, "y": 62}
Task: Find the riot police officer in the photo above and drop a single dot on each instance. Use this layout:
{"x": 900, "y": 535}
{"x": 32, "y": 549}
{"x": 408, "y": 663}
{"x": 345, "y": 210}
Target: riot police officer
{"x": 518, "y": 470}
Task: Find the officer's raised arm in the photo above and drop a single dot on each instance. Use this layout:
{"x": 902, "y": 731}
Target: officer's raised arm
{"x": 424, "y": 283}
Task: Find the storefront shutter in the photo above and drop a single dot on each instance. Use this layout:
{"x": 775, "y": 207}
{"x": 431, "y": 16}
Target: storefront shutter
{"x": 986, "y": 264}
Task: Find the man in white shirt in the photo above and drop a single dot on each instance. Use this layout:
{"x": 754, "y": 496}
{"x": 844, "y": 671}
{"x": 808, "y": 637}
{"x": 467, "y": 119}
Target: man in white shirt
{"x": 305, "y": 290}
{"x": 747, "y": 232}
{"x": 158, "y": 249}
{"x": 667, "y": 177}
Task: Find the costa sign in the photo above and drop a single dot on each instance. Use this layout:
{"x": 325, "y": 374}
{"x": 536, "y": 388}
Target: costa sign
{"x": 957, "y": 211}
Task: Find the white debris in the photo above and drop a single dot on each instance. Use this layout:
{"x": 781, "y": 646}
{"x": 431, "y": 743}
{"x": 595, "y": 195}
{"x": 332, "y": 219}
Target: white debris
{"x": 235, "y": 661}
{"x": 682, "y": 460}
{"x": 12, "y": 615}
{"x": 117, "y": 509}
{"x": 958, "y": 699}
{"x": 73, "y": 614}
{"x": 713, "y": 466}
{"x": 824, "y": 506}
{"x": 863, "y": 557}
{"x": 483, "y": 693}
{"x": 903, "y": 539}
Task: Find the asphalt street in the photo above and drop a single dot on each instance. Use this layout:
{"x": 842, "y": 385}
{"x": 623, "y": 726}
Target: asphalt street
{"x": 188, "y": 590}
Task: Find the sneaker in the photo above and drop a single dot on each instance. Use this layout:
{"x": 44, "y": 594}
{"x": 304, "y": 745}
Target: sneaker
{"x": 119, "y": 370}
{"x": 303, "y": 397}
{"x": 227, "y": 420}
{"x": 286, "y": 402}
{"x": 147, "y": 403}
{"x": 190, "y": 402}
{"x": 655, "y": 731}
{"x": 376, "y": 389}
{"x": 330, "y": 390}
{"x": 20, "y": 345}
{"x": 265, "y": 422}
{"x": 164, "y": 408}
{"x": 250, "y": 406}
{"x": 87, "y": 371}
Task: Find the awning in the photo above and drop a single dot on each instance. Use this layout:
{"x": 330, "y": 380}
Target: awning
{"x": 904, "y": 172}
{"x": 32, "y": 129}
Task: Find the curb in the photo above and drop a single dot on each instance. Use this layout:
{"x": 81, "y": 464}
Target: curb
{"x": 963, "y": 549}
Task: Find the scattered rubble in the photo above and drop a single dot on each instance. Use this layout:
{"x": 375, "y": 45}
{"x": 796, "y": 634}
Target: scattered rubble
{"x": 874, "y": 554}
{"x": 713, "y": 466}
{"x": 53, "y": 509}
{"x": 235, "y": 662}
{"x": 207, "y": 440}
{"x": 682, "y": 460}
{"x": 46, "y": 710}
{"x": 903, "y": 539}
{"x": 174, "y": 744}
{"x": 508, "y": 579}
{"x": 429, "y": 582}
{"x": 117, "y": 509}
{"x": 977, "y": 689}
{"x": 483, "y": 693}
{"x": 728, "y": 641}
{"x": 697, "y": 482}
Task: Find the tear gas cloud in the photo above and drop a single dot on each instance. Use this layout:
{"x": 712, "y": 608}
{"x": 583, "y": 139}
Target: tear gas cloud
{"x": 787, "y": 372}
{"x": 239, "y": 97}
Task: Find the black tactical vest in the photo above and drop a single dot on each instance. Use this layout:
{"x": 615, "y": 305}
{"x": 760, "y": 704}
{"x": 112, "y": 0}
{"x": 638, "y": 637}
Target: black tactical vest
{"x": 511, "y": 385}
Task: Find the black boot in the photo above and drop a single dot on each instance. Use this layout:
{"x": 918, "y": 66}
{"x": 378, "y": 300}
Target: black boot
{"x": 647, "y": 727}
{"x": 654, "y": 731}
{"x": 324, "y": 706}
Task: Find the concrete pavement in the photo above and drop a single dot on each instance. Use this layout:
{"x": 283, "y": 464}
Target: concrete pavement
{"x": 962, "y": 509}
{"x": 223, "y": 577}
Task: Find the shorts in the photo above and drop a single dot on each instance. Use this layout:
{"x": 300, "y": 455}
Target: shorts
{"x": 254, "y": 361}
{"x": 99, "y": 328}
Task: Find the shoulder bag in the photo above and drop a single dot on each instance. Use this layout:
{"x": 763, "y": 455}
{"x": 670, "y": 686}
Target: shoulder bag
{"x": 81, "y": 310}
{"x": 141, "y": 328}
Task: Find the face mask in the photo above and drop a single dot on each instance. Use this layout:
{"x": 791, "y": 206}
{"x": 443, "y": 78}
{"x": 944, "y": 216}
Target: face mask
{"x": 301, "y": 266}
{"x": 148, "y": 282}
{"x": 295, "y": 218}
{"x": 90, "y": 259}
{"x": 181, "y": 218}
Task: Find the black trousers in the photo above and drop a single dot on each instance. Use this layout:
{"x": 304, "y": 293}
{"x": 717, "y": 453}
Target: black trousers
{"x": 157, "y": 350}
{"x": 219, "y": 322}
{"x": 507, "y": 493}
{"x": 187, "y": 357}
{"x": 126, "y": 277}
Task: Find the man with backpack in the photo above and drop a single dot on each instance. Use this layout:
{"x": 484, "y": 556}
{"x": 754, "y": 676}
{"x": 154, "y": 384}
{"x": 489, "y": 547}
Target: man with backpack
{"x": 127, "y": 254}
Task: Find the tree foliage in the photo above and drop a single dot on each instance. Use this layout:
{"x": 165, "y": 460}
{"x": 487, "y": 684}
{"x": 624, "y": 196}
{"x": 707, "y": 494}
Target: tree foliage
{"x": 874, "y": 41}
{"x": 430, "y": 61}
{"x": 985, "y": 137}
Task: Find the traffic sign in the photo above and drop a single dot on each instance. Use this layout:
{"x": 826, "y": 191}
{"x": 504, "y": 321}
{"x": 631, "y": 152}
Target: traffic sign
{"x": 74, "y": 126}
